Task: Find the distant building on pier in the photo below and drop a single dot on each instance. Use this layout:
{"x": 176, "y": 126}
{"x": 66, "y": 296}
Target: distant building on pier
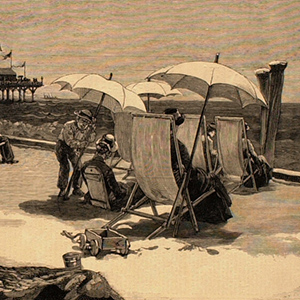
{"x": 7, "y": 74}
{"x": 10, "y": 82}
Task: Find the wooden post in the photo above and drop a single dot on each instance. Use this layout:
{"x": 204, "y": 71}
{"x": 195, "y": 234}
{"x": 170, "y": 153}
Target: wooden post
{"x": 263, "y": 77}
{"x": 32, "y": 90}
{"x": 7, "y": 94}
{"x": 20, "y": 95}
{"x": 275, "y": 91}
{"x": 24, "y": 91}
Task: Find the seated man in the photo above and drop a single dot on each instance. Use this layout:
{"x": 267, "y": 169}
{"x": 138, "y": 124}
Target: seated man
{"x": 214, "y": 208}
{"x": 260, "y": 167}
{"x": 116, "y": 190}
{"x": 6, "y": 151}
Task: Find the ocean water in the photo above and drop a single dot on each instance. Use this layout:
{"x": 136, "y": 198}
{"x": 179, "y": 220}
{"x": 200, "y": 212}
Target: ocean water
{"x": 44, "y": 120}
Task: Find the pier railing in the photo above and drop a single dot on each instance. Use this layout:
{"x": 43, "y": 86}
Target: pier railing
{"x": 21, "y": 85}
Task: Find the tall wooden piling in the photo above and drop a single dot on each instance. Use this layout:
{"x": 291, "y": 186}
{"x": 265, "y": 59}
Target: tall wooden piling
{"x": 263, "y": 80}
{"x": 271, "y": 85}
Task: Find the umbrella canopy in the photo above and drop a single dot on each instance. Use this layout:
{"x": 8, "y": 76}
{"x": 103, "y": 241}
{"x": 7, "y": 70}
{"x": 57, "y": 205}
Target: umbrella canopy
{"x": 217, "y": 79}
{"x": 155, "y": 89}
{"x": 67, "y": 82}
{"x": 90, "y": 87}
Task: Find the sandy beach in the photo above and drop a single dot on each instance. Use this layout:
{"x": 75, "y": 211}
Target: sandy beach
{"x": 256, "y": 254}
{"x": 253, "y": 256}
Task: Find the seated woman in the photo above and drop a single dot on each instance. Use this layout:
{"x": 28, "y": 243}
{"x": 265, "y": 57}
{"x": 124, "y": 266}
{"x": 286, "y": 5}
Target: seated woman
{"x": 260, "y": 166}
{"x": 215, "y": 207}
{"x": 117, "y": 191}
{"x": 210, "y": 148}
{"x": 6, "y": 151}
{"x": 110, "y": 139}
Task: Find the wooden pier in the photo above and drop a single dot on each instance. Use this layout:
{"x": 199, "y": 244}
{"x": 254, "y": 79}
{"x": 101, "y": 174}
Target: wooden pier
{"x": 10, "y": 83}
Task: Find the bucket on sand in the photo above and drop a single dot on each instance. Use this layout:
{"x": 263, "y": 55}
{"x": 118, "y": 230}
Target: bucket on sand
{"x": 72, "y": 260}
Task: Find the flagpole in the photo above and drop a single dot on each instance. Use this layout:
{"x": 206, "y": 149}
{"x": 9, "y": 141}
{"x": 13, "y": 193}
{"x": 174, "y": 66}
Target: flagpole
{"x": 24, "y": 67}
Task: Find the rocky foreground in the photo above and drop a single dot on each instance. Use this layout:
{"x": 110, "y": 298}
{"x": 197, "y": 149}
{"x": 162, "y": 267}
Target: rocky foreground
{"x": 43, "y": 283}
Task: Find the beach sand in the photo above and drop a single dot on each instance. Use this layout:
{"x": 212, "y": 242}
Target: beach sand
{"x": 253, "y": 256}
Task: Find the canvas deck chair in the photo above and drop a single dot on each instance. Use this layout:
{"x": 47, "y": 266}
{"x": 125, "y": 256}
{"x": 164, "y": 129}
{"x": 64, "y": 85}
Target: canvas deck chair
{"x": 151, "y": 157}
{"x": 230, "y": 133}
{"x": 96, "y": 187}
{"x": 122, "y": 130}
{"x": 186, "y": 133}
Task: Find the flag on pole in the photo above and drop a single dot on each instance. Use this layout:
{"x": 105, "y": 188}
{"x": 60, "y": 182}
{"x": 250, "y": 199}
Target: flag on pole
{"x": 6, "y": 56}
{"x": 19, "y": 65}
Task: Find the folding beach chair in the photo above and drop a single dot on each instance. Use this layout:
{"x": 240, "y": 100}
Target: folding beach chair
{"x": 230, "y": 134}
{"x": 186, "y": 134}
{"x": 122, "y": 130}
{"x": 151, "y": 158}
{"x": 96, "y": 186}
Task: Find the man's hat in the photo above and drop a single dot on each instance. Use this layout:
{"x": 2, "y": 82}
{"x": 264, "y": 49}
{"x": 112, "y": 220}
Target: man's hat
{"x": 85, "y": 114}
{"x": 179, "y": 118}
{"x": 211, "y": 127}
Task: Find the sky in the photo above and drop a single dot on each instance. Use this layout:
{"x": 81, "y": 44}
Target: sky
{"x": 132, "y": 39}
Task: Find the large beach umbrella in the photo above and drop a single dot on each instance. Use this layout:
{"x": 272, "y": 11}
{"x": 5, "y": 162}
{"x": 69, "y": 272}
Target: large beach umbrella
{"x": 67, "y": 82}
{"x": 91, "y": 87}
{"x": 212, "y": 80}
{"x": 209, "y": 80}
{"x": 104, "y": 92}
{"x": 153, "y": 89}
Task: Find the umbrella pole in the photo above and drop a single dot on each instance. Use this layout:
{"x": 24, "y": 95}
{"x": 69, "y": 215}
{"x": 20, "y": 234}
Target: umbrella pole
{"x": 101, "y": 100}
{"x": 198, "y": 130}
{"x": 67, "y": 192}
{"x": 148, "y": 99}
{"x": 187, "y": 174}
{"x": 201, "y": 120}
{"x": 148, "y": 103}
{"x": 217, "y": 58}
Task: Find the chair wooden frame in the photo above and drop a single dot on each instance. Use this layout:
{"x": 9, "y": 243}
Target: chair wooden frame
{"x": 231, "y": 132}
{"x": 151, "y": 176}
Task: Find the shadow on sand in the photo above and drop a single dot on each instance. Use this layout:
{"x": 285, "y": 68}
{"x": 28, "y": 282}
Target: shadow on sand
{"x": 244, "y": 191}
{"x": 71, "y": 210}
{"x": 208, "y": 234}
